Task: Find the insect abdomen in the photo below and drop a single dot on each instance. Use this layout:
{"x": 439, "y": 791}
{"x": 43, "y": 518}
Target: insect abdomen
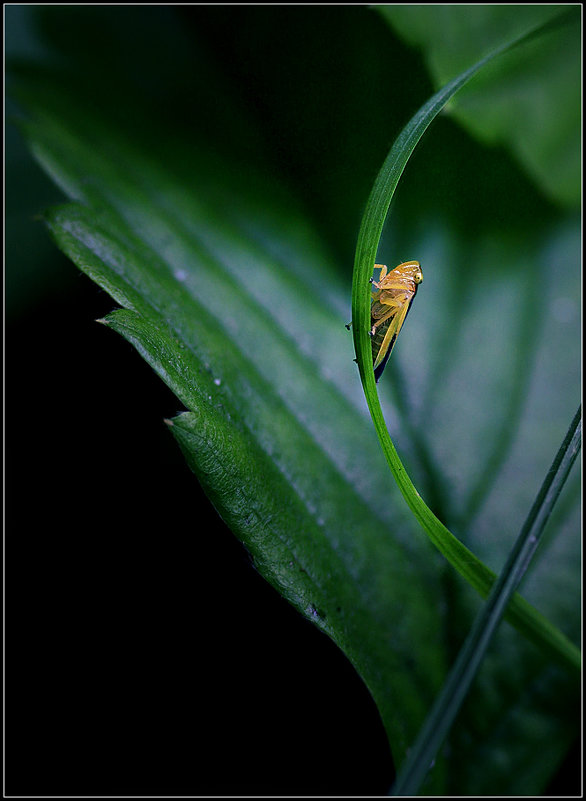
{"x": 376, "y": 342}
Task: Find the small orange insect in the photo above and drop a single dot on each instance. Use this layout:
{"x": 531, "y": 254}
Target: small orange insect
{"x": 389, "y": 308}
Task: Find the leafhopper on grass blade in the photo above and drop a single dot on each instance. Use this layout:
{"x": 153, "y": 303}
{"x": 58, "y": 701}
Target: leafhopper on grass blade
{"x": 390, "y": 305}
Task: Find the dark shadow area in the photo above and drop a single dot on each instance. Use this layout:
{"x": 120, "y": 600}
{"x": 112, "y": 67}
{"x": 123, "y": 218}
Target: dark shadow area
{"x": 145, "y": 655}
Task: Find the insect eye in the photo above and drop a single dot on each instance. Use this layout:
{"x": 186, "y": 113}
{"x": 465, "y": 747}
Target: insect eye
{"x": 418, "y": 278}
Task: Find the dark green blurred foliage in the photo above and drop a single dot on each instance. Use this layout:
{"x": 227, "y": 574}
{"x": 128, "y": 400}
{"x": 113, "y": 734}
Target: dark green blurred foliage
{"x": 233, "y": 76}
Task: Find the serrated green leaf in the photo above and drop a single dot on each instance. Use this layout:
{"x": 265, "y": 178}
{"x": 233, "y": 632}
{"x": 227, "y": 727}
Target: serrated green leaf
{"x": 286, "y": 452}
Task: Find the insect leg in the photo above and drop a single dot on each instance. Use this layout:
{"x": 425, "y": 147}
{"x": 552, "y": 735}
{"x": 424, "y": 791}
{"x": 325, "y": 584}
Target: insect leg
{"x": 381, "y": 314}
{"x": 383, "y": 270}
{"x": 394, "y": 328}
{"x": 394, "y": 307}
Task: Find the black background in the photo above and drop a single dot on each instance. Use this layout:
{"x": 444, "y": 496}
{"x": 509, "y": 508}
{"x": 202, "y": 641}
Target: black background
{"x": 145, "y": 654}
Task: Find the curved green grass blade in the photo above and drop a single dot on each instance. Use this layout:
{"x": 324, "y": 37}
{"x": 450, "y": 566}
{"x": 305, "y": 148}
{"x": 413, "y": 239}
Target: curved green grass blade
{"x": 548, "y": 145}
{"x": 455, "y": 689}
{"x": 519, "y": 613}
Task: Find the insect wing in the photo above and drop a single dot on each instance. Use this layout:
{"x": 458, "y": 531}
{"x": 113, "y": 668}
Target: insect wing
{"x": 379, "y": 356}
{"x": 384, "y": 339}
